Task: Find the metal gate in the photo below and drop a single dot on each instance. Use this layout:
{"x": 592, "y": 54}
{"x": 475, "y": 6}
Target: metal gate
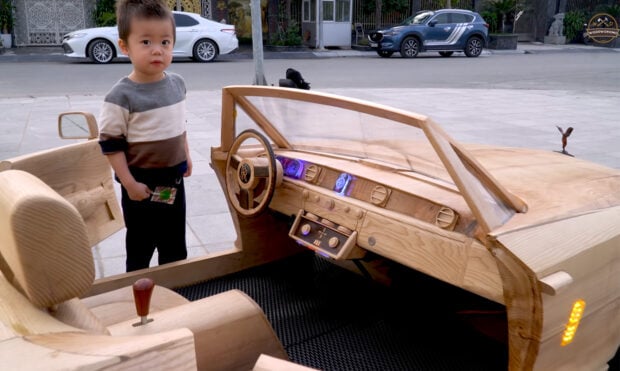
{"x": 46, "y": 21}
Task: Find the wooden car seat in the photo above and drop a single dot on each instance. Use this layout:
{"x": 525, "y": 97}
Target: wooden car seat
{"x": 46, "y": 258}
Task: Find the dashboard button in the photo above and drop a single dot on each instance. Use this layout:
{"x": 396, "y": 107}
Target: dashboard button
{"x": 306, "y": 229}
{"x": 311, "y": 217}
{"x": 344, "y": 230}
{"x": 333, "y": 242}
{"x": 328, "y": 223}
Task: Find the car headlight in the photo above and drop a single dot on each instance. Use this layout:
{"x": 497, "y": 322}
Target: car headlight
{"x": 74, "y": 35}
{"x": 390, "y": 33}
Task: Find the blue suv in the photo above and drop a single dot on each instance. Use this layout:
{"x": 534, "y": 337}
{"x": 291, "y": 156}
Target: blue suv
{"x": 445, "y": 31}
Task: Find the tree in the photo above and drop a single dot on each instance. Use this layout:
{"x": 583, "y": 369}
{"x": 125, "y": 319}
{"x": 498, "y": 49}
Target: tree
{"x": 504, "y": 12}
{"x": 6, "y": 16}
{"x": 104, "y": 14}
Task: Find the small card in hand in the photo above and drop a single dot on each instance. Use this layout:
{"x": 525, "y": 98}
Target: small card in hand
{"x": 164, "y": 194}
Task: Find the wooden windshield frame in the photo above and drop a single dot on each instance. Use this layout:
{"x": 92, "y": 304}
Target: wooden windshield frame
{"x": 470, "y": 177}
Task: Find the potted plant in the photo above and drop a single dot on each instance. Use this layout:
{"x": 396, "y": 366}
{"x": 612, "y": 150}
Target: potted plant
{"x": 6, "y": 22}
{"x": 286, "y": 38}
{"x": 501, "y": 16}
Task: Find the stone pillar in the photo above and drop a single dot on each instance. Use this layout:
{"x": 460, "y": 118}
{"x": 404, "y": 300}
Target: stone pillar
{"x": 543, "y": 10}
{"x": 561, "y": 6}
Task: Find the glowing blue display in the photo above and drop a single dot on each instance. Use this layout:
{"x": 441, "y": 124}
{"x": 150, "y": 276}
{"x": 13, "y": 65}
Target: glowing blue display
{"x": 293, "y": 168}
{"x": 342, "y": 183}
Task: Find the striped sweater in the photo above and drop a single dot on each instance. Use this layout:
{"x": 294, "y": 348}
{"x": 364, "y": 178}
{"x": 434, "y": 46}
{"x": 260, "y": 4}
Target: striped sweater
{"x": 146, "y": 121}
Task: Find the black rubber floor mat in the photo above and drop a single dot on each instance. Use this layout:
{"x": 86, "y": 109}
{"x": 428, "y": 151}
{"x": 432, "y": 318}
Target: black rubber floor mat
{"x": 332, "y": 319}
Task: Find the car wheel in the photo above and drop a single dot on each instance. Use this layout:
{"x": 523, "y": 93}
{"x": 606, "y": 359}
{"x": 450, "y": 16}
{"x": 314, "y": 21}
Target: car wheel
{"x": 205, "y": 51}
{"x": 473, "y": 48}
{"x": 384, "y": 53}
{"x": 101, "y": 51}
{"x": 446, "y": 54}
{"x": 410, "y": 47}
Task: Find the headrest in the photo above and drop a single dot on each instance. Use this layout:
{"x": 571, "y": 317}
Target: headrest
{"x": 44, "y": 249}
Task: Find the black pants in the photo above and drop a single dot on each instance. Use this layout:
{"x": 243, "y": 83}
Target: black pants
{"x": 154, "y": 225}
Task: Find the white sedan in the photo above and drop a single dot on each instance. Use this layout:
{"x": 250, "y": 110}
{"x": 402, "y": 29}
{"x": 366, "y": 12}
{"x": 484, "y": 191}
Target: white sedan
{"x": 196, "y": 37}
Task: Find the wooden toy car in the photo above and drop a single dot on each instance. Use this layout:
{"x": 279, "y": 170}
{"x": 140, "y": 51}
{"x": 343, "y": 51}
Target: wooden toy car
{"x": 382, "y": 192}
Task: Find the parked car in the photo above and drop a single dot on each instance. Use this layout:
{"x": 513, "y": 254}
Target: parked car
{"x": 196, "y": 37}
{"x": 445, "y": 31}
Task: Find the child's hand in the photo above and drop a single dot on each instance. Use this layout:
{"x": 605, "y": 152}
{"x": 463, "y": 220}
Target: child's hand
{"x": 138, "y": 191}
{"x": 188, "y": 172}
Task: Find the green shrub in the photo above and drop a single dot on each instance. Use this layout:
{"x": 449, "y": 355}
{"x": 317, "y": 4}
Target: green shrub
{"x": 501, "y": 15}
{"x": 289, "y": 36}
{"x": 491, "y": 18}
{"x": 104, "y": 14}
{"x": 390, "y": 6}
{"x": 612, "y": 10}
{"x": 573, "y": 24}
{"x": 6, "y": 16}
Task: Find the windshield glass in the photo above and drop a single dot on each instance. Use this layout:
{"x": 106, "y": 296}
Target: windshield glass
{"x": 337, "y": 131}
{"x": 374, "y": 134}
{"x": 417, "y": 18}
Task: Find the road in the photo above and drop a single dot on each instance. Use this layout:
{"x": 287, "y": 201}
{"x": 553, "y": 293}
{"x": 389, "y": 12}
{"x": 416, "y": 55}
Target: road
{"x": 514, "y": 99}
{"x": 570, "y": 71}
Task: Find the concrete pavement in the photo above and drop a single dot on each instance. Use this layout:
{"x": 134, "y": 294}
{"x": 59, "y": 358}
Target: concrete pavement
{"x": 519, "y": 118}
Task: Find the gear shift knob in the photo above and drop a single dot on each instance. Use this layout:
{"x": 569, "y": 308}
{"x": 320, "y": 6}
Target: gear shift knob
{"x": 142, "y": 291}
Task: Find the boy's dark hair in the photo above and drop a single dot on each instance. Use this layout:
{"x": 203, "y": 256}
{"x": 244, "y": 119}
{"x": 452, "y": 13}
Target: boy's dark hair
{"x": 126, "y": 10}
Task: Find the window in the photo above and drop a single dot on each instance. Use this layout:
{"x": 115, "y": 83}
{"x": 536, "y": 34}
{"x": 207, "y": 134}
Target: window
{"x": 419, "y": 18}
{"x": 343, "y": 10}
{"x": 441, "y": 18}
{"x": 328, "y": 10}
{"x": 309, "y": 10}
{"x": 462, "y": 18}
{"x": 183, "y": 20}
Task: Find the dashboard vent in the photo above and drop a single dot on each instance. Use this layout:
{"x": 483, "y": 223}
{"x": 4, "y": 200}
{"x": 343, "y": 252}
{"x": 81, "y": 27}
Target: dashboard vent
{"x": 380, "y": 195}
{"x": 312, "y": 174}
{"x": 446, "y": 218}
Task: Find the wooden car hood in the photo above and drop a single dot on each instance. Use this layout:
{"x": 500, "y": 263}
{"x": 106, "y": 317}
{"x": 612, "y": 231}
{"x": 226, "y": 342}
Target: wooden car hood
{"x": 554, "y": 186}
{"x": 563, "y": 249}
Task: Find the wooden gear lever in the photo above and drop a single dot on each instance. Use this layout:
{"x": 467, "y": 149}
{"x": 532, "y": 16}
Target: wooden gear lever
{"x": 142, "y": 292}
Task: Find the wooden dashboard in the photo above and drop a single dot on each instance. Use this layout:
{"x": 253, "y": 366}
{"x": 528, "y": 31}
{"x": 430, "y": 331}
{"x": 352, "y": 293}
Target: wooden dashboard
{"x": 341, "y": 214}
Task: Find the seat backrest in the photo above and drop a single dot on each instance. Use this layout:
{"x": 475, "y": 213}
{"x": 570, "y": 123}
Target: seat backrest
{"x": 81, "y": 174}
{"x": 44, "y": 247}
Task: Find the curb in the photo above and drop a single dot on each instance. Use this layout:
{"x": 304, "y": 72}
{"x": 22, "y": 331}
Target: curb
{"x": 56, "y": 54}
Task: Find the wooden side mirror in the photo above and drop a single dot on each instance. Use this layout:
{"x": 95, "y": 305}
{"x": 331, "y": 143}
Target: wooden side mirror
{"x": 77, "y": 125}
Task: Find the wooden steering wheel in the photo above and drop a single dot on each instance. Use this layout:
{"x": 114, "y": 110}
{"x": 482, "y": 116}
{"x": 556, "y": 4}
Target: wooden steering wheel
{"x": 252, "y": 180}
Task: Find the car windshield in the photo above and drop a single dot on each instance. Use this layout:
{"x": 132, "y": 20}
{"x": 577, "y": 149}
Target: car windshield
{"x": 373, "y": 134}
{"x": 326, "y": 129}
{"x": 417, "y": 18}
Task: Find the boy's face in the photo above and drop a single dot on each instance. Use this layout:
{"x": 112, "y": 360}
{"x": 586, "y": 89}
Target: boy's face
{"x": 149, "y": 47}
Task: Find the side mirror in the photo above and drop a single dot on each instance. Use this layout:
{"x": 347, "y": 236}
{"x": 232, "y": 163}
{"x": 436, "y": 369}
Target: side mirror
{"x": 77, "y": 125}
{"x": 432, "y": 23}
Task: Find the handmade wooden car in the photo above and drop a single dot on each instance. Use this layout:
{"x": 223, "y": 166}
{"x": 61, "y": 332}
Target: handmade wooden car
{"x": 370, "y": 188}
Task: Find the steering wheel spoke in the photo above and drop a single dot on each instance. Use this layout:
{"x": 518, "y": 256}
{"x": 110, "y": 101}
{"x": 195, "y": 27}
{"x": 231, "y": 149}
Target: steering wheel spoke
{"x": 235, "y": 160}
{"x": 246, "y": 199}
{"x": 261, "y": 172}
